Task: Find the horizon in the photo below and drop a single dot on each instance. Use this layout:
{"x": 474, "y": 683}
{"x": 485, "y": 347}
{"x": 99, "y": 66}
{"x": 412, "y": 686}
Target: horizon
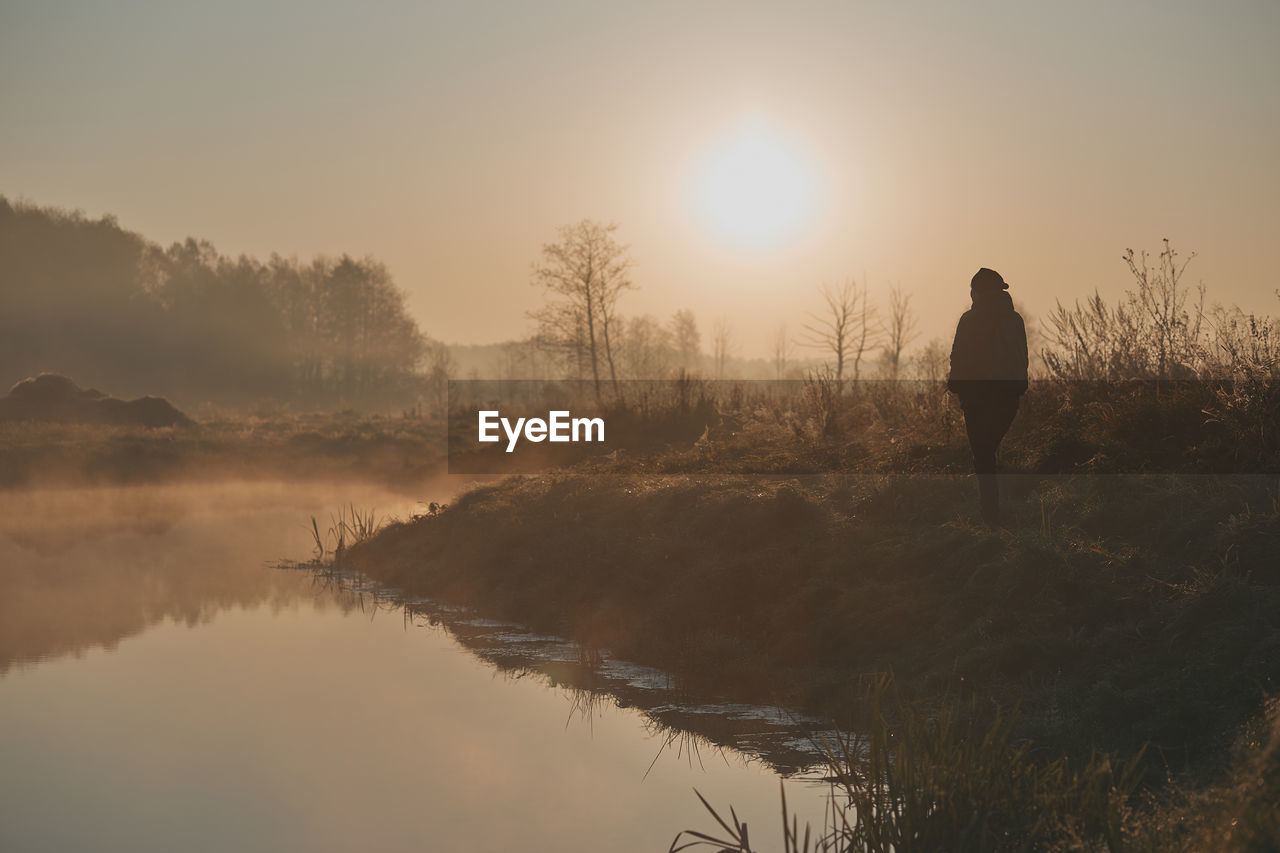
{"x": 451, "y": 143}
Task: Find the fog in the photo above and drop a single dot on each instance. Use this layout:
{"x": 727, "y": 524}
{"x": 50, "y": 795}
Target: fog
{"x": 84, "y": 568}
{"x": 89, "y": 299}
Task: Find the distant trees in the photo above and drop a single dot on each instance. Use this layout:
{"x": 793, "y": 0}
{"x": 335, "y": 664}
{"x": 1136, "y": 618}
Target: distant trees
{"x": 438, "y": 366}
{"x": 686, "y": 339}
{"x": 584, "y": 271}
{"x": 520, "y": 359}
{"x": 647, "y": 348}
{"x": 899, "y": 330}
{"x": 642, "y": 347}
{"x": 329, "y": 330}
{"x": 108, "y": 308}
{"x": 722, "y": 347}
{"x": 933, "y": 362}
{"x": 369, "y": 337}
{"x": 781, "y": 351}
{"x": 845, "y": 329}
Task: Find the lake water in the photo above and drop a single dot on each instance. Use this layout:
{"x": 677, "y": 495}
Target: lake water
{"x": 164, "y": 687}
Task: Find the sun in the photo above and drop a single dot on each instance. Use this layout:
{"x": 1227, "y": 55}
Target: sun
{"x": 754, "y": 189}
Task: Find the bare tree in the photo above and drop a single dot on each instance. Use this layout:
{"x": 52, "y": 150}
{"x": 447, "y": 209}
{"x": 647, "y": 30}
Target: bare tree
{"x": 781, "y": 351}
{"x": 899, "y": 329}
{"x": 932, "y": 362}
{"x": 519, "y": 359}
{"x": 587, "y": 269}
{"x": 846, "y": 329}
{"x": 722, "y": 346}
{"x": 440, "y": 365}
{"x": 645, "y": 348}
{"x": 866, "y": 331}
{"x": 686, "y": 339}
{"x": 562, "y": 335}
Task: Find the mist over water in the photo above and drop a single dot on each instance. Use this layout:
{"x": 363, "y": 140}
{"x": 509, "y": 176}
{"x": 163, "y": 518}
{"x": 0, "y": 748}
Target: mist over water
{"x": 163, "y": 687}
{"x": 88, "y": 567}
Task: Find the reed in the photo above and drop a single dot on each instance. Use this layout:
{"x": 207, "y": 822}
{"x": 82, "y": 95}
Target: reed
{"x": 349, "y": 527}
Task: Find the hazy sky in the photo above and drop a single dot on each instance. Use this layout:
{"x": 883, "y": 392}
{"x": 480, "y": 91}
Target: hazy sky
{"x": 908, "y": 141}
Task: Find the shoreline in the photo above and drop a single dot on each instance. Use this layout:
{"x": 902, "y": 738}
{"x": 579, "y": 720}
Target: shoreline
{"x": 794, "y": 589}
{"x": 1136, "y": 616}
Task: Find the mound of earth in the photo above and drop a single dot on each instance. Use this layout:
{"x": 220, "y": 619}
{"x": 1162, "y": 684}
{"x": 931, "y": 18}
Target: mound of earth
{"x": 54, "y": 397}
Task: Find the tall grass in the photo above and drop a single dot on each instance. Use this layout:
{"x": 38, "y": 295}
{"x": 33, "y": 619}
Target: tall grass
{"x": 947, "y": 780}
{"x": 349, "y": 527}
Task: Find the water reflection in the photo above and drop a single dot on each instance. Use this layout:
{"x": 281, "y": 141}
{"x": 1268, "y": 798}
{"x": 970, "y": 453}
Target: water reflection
{"x": 86, "y": 568}
{"x": 164, "y": 688}
{"x": 594, "y": 681}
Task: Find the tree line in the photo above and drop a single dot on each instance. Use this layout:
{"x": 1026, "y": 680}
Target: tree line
{"x": 580, "y": 333}
{"x": 1159, "y": 329}
{"x": 87, "y": 298}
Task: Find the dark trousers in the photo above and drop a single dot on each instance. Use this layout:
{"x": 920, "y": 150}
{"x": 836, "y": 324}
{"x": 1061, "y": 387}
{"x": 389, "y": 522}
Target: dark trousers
{"x": 987, "y": 418}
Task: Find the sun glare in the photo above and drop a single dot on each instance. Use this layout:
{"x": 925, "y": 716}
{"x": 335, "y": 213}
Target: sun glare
{"x": 754, "y": 190}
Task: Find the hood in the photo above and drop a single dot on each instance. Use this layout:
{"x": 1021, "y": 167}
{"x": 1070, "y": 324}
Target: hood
{"x": 992, "y": 300}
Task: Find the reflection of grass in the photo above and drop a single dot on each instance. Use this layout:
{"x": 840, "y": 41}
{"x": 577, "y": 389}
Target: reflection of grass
{"x": 1149, "y": 613}
{"x": 689, "y": 733}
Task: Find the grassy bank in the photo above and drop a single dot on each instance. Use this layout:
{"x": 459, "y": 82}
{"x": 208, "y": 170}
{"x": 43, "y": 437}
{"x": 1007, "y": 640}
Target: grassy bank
{"x": 1115, "y": 613}
{"x": 1119, "y": 612}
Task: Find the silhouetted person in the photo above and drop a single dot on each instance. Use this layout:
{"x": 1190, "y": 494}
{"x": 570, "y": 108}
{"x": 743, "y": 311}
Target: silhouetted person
{"x": 989, "y": 375}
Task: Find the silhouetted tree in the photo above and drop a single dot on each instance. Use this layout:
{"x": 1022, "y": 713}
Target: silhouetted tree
{"x": 586, "y": 271}
{"x": 845, "y": 329}
{"x": 899, "y": 329}
{"x": 562, "y": 335}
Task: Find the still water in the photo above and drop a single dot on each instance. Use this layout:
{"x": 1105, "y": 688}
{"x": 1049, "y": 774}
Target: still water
{"x": 164, "y": 687}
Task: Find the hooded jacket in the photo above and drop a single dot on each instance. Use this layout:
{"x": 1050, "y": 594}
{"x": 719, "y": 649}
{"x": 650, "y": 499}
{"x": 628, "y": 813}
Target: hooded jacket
{"x": 990, "y": 349}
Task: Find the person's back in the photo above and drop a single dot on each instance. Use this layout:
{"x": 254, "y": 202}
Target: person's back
{"x": 989, "y": 375}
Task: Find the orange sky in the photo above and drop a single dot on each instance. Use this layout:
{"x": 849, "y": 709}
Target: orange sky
{"x": 450, "y": 140}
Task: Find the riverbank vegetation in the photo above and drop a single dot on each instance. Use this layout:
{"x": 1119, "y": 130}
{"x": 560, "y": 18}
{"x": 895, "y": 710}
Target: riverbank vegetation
{"x": 1116, "y": 613}
{"x": 1112, "y": 651}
